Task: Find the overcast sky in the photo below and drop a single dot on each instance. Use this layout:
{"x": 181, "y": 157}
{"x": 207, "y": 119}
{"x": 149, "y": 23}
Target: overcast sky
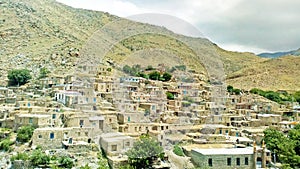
{"x": 238, "y": 25}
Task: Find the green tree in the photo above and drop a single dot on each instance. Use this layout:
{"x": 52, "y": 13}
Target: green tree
{"x": 284, "y": 147}
{"x": 294, "y": 135}
{"x": 296, "y": 96}
{"x": 43, "y": 73}
{"x": 144, "y": 152}
{"x": 24, "y": 133}
{"x": 229, "y": 89}
{"x": 5, "y": 144}
{"x": 155, "y": 75}
{"x": 18, "y": 77}
{"x": 236, "y": 91}
{"x": 127, "y": 69}
{"x": 273, "y": 139}
{"x": 166, "y": 76}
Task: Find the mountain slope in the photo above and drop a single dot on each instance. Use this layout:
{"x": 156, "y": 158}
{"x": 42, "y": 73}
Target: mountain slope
{"x": 272, "y": 74}
{"x": 48, "y": 34}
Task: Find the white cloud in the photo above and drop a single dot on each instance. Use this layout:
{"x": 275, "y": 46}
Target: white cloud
{"x": 255, "y": 26}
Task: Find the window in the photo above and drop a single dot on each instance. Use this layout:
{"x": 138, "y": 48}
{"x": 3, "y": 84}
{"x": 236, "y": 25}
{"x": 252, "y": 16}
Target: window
{"x": 210, "y": 162}
{"x": 246, "y": 161}
{"x": 238, "y": 161}
{"x": 51, "y": 135}
{"x": 53, "y": 116}
{"x": 127, "y": 144}
{"x": 113, "y": 147}
{"x": 40, "y": 136}
{"x": 81, "y": 122}
{"x": 128, "y": 119}
{"x": 229, "y": 161}
{"x": 30, "y": 120}
{"x": 220, "y": 131}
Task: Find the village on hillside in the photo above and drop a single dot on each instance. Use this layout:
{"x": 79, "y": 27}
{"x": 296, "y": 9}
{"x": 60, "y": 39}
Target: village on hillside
{"x": 79, "y": 115}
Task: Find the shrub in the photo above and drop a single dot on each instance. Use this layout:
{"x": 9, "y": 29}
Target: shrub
{"x": 170, "y": 96}
{"x": 178, "y": 151}
{"x": 24, "y": 133}
{"x": 39, "y": 158}
{"x": 20, "y": 156}
{"x": 43, "y": 72}
{"x": 5, "y": 145}
{"x": 65, "y": 162}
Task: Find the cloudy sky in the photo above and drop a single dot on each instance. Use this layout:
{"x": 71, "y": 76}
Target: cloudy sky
{"x": 238, "y": 25}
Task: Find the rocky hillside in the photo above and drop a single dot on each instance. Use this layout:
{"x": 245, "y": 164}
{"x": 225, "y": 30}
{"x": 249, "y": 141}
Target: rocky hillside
{"x": 45, "y": 33}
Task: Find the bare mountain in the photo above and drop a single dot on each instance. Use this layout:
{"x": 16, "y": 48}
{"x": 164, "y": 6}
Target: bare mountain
{"x": 45, "y": 33}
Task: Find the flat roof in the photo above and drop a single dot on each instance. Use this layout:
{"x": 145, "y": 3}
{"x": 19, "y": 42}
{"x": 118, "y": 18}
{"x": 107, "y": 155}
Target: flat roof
{"x": 94, "y": 118}
{"x": 224, "y": 151}
{"x": 34, "y": 115}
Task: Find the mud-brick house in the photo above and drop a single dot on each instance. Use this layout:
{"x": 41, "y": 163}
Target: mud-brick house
{"x": 37, "y": 120}
{"x": 225, "y": 158}
{"x": 149, "y": 108}
{"x": 114, "y": 144}
{"x": 52, "y": 138}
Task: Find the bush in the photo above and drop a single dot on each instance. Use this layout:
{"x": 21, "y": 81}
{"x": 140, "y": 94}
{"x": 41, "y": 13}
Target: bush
{"x": 178, "y": 151}
{"x": 18, "y": 77}
{"x": 5, "y": 145}
{"x": 65, "y": 162}
{"x": 170, "y": 96}
{"x": 24, "y": 133}
{"x": 43, "y": 72}
{"x": 39, "y": 158}
{"x": 20, "y": 156}
{"x": 85, "y": 167}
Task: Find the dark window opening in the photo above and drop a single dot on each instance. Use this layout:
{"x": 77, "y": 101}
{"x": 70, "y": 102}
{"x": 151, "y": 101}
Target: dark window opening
{"x": 210, "y": 162}
{"x": 246, "y": 161}
{"x": 229, "y": 161}
{"x": 238, "y": 161}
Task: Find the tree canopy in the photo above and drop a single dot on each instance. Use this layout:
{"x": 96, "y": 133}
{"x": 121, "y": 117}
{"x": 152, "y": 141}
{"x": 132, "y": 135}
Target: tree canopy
{"x": 18, "y": 77}
{"x": 286, "y": 148}
{"x": 144, "y": 152}
{"x": 24, "y": 133}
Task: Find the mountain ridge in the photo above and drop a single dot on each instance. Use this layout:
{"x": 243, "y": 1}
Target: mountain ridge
{"x": 280, "y": 54}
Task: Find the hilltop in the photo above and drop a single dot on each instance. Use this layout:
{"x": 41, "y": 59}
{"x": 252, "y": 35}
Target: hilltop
{"x": 280, "y": 54}
{"x": 45, "y": 33}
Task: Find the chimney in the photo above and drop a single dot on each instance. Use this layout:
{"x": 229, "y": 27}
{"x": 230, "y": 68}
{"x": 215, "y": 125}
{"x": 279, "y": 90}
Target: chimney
{"x": 263, "y": 155}
{"x": 254, "y": 155}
